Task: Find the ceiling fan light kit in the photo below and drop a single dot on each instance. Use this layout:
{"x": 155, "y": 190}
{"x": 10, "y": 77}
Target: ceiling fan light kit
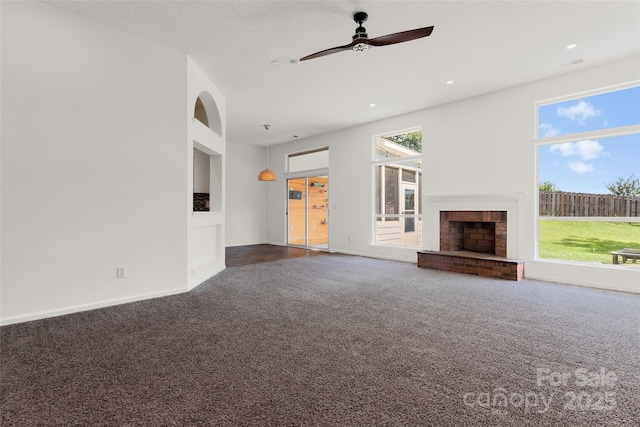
{"x": 362, "y": 42}
{"x": 360, "y": 47}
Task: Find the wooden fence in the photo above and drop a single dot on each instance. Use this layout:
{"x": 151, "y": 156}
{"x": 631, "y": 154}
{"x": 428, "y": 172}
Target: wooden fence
{"x": 561, "y": 203}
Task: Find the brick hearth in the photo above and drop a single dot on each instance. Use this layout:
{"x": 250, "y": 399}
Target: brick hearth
{"x": 472, "y": 263}
{"x": 473, "y": 242}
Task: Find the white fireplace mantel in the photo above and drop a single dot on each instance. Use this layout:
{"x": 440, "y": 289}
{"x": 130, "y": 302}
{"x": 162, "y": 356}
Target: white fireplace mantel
{"x": 434, "y": 204}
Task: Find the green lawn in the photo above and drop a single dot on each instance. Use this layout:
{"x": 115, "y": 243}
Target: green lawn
{"x": 586, "y": 241}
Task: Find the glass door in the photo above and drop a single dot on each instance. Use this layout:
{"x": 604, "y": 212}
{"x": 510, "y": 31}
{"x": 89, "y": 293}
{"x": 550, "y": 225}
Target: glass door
{"x": 409, "y": 235}
{"x": 308, "y": 212}
{"x": 318, "y": 212}
{"x": 297, "y": 212}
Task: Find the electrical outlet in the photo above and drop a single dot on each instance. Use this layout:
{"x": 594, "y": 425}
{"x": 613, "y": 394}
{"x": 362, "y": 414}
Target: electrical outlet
{"x": 121, "y": 271}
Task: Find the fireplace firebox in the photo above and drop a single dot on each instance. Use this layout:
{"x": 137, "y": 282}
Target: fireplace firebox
{"x": 474, "y": 231}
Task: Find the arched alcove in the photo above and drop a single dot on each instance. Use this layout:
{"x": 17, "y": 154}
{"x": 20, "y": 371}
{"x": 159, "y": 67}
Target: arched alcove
{"x": 206, "y": 111}
{"x": 200, "y": 113}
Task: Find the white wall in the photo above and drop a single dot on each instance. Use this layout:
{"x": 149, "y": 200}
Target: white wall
{"x": 479, "y": 146}
{"x": 246, "y": 196}
{"x": 94, "y": 165}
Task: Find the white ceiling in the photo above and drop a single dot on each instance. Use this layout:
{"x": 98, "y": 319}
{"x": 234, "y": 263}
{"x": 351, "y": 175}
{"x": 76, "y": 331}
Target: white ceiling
{"x": 482, "y": 46}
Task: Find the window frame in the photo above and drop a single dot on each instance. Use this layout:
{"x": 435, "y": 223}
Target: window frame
{"x": 402, "y": 163}
{"x": 569, "y": 138}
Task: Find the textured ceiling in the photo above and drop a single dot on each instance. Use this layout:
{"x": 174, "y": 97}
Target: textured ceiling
{"x": 481, "y": 45}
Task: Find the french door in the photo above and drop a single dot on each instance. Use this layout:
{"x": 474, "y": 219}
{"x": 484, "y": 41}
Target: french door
{"x": 308, "y": 212}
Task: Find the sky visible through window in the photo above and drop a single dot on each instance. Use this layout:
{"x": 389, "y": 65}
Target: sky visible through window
{"x": 587, "y": 166}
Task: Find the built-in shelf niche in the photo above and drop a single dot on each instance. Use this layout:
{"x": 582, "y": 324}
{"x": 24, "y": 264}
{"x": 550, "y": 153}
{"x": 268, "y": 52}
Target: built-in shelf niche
{"x": 207, "y": 181}
{"x": 207, "y": 164}
{"x": 201, "y": 181}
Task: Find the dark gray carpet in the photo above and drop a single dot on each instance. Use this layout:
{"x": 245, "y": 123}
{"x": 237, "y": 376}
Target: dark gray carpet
{"x": 333, "y": 341}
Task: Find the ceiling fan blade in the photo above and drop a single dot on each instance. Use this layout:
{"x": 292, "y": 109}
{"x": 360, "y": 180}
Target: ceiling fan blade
{"x": 328, "y": 52}
{"x": 403, "y": 36}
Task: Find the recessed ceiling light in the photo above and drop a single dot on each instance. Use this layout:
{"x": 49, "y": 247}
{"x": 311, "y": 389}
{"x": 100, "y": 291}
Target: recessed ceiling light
{"x": 449, "y": 82}
{"x": 275, "y": 63}
{"x": 571, "y": 46}
{"x": 372, "y": 105}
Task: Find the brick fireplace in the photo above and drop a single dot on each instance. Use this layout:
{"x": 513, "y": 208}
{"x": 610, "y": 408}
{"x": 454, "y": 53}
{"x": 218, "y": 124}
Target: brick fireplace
{"x": 473, "y": 242}
{"x": 474, "y": 231}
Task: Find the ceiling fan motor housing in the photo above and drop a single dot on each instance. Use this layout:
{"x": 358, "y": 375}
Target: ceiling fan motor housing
{"x": 361, "y": 32}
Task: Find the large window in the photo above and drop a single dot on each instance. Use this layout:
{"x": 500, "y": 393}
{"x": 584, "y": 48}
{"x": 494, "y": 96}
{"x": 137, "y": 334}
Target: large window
{"x": 588, "y": 153}
{"x": 398, "y": 189}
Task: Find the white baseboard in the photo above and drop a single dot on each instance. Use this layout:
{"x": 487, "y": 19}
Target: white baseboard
{"x": 232, "y": 245}
{"x": 86, "y": 307}
{"x": 204, "y": 272}
{"x": 375, "y": 256}
{"x": 608, "y": 287}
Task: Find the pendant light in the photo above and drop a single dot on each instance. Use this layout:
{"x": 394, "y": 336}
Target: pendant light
{"x": 267, "y": 174}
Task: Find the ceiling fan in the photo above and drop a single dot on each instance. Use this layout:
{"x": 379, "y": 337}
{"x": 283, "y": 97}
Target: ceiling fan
{"x": 362, "y": 42}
